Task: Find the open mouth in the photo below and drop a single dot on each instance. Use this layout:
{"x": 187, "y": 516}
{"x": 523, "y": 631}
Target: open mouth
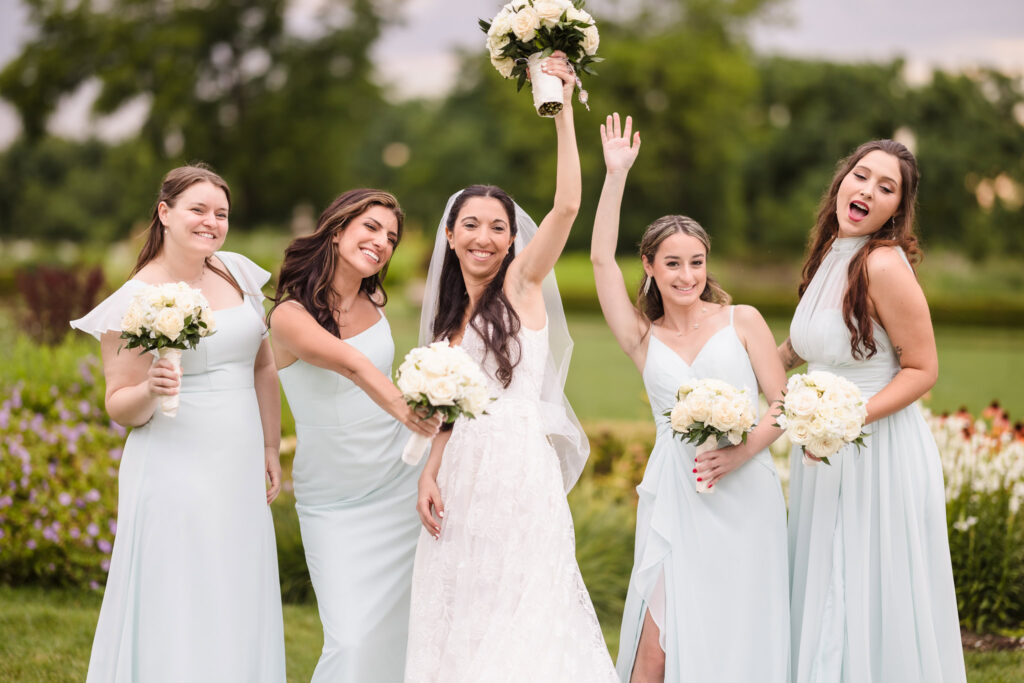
{"x": 372, "y": 255}
{"x": 858, "y": 211}
{"x": 205, "y": 235}
{"x": 479, "y": 255}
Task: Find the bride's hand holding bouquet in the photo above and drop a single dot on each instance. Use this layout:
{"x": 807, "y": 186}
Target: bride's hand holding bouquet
{"x": 524, "y": 33}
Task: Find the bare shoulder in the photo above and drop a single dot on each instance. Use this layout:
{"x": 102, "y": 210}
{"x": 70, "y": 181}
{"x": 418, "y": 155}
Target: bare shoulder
{"x": 749, "y": 319}
{"x": 287, "y": 311}
{"x": 888, "y": 271}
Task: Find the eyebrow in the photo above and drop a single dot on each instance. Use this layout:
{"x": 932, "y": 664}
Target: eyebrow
{"x": 474, "y": 218}
{"x": 697, "y": 255}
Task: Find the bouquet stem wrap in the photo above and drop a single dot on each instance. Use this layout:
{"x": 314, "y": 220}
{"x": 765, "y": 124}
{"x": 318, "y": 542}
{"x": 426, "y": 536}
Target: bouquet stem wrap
{"x": 415, "y": 448}
{"x": 169, "y": 404}
{"x": 547, "y": 89}
{"x": 709, "y": 444}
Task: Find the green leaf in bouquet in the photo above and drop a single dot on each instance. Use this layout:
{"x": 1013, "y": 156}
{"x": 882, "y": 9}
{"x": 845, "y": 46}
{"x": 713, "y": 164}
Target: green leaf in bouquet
{"x": 521, "y": 81}
{"x": 485, "y": 26}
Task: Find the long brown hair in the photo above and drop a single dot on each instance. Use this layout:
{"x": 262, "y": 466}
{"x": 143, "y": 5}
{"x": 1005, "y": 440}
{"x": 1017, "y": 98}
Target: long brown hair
{"x": 648, "y": 298}
{"x": 174, "y": 184}
{"x": 897, "y": 232}
{"x": 499, "y": 323}
{"x": 307, "y": 274}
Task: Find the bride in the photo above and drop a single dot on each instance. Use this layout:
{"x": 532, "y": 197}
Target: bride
{"x": 497, "y": 594}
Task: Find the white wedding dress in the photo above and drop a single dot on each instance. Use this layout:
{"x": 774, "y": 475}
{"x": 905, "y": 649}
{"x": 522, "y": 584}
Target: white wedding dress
{"x": 500, "y": 597}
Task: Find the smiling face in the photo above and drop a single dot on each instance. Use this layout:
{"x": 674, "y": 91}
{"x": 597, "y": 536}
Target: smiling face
{"x": 198, "y": 221}
{"x": 481, "y": 237}
{"x": 869, "y": 194}
{"x": 365, "y": 245}
{"x": 679, "y": 269}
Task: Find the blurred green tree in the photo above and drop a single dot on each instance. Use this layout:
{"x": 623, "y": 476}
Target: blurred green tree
{"x": 277, "y": 114}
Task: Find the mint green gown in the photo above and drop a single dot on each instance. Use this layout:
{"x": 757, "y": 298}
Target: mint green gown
{"x": 356, "y": 502}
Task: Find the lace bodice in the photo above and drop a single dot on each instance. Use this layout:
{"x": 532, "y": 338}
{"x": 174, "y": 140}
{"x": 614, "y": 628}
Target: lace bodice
{"x": 529, "y": 346}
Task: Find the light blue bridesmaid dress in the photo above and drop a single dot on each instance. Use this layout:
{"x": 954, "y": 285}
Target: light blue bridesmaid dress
{"x": 710, "y": 567}
{"x": 193, "y": 592}
{"x": 872, "y": 583}
{"x": 356, "y": 502}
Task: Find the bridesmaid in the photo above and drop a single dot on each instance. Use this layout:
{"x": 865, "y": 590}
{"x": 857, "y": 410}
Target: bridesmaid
{"x": 707, "y": 598}
{"x": 872, "y": 584}
{"x": 193, "y": 593}
{"x": 355, "y": 497}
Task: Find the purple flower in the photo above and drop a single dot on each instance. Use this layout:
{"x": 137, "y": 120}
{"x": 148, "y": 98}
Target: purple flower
{"x": 105, "y": 564}
{"x": 84, "y": 407}
{"x": 51, "y": 567}
{"x": 112, "y": 525}
{"x": 52, "y": 468}
{"x": 92, "y": 529}
{"x": 2, "y": 534}
{"x": 30, "y": 544}
{"x": 79, "y": 503}
{"x": 37, "y": 525}
{"x": 74, "y": 532}
{"x": 104, "y": 545}
{"x": 92, "y": 495}
{"x": 16, "y": 398}
{"x": 6, "y": 501}
{"x": 64, "y": 498}
{"x": 118, "y": 429}
{"x": 44, "y": 511}
{"x": 54, "y": 391}
{"x": 49, "y": 534}
{"x": 87, "y": 540}
{"x": 93, "y": 585}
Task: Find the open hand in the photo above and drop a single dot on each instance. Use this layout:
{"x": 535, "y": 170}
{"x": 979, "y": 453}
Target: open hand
{"x": 619, "y": 150}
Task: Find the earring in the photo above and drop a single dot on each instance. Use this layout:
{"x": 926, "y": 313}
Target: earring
{"x": 647, "y": 284}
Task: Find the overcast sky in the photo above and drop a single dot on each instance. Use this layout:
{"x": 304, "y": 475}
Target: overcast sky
{"x": 416, "y": 57}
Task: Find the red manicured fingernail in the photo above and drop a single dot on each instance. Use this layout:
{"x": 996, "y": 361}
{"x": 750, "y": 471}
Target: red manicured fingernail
{"x": 695, "y": 470}
{"x": 710, "y": 485}
{"x": 699, "y": 479}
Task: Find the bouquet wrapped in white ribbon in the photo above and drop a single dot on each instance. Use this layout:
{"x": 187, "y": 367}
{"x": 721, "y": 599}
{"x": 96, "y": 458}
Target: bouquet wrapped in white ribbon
{"x": 524, "y": 32}
{"x": 440, "y": 379}
{"x": 711, "y": 414}
{"x": 167, "y": 319}
{"x": 822, "y": 412}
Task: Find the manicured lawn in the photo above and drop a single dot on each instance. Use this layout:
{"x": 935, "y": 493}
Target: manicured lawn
{"x": 46, "y": 637}
{"x": 976, "y": 365}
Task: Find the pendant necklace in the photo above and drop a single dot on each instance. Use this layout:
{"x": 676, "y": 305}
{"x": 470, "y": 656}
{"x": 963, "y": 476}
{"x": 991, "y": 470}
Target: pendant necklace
{"x": 696, "y": 325}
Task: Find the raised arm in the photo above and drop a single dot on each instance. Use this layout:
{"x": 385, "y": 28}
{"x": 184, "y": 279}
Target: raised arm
{"x": 296, "y": 331}
{"x": 903, "y": 311}
{"x": 627, "y": 324}
{"x": 530, "y": 267}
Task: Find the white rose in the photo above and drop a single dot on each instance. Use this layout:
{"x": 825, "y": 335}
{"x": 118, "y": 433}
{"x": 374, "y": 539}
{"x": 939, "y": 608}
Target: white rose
{"x": 525, "y": 23}
{"x": 168, "y": 323}
{"x": 821, "y": 379}
{"x": 496, "y": 45}
{"x": 725, "y": 414}
{"x": 591, "y": 39}
{"x": 476, "y": 401}
{"x": 206, "y": 316}
{"x": 799, "y": 432}
{"x": 735, "y": 437}
{"x": 680, "y": 418}
{"x": 801, "y": 401}
{"x": 698, "y": 403}
{"x": 851, "y": 431}
{"x": 501, "y": 26}
{"x": 441, "y": 391}
{"x": 549, "y": 12}
{"x": 132, "y": 320}
{"x": 818, "y": 426}
{"x": 824, "y": 446}
{"x": 411, "y": 383}
{"x": 684, "y": 389}
{"x": 574, "y": 14}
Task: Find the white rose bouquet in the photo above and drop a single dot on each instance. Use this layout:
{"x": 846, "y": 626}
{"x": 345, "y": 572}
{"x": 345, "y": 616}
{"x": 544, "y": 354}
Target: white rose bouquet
{"x": 440, "y": 379}
{"x": 525, "y": 32}
{"x": 166, "y": 319}
{"x": 709, "y": 411}
{"x": 822, "y": 412}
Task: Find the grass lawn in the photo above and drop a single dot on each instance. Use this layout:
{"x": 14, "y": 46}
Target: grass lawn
{"x": 976, "y": 365}
{"x": 46, "y": 637}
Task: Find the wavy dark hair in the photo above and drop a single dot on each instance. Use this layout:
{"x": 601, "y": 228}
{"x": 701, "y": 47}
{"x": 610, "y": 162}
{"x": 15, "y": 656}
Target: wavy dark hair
{"x": 650, "y": 303}
{"x": 493, "y": 317}
{"x": 307, "y": 273}
{"x": 896, "y": 232}
{"x": 174, "y": 184}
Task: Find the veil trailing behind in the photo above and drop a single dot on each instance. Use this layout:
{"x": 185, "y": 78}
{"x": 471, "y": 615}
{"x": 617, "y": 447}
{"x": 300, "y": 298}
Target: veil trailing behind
{"x": 563, "y": 429}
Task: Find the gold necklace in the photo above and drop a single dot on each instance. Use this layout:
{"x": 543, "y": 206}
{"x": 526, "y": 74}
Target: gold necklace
{"x": 194, "y": 283}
